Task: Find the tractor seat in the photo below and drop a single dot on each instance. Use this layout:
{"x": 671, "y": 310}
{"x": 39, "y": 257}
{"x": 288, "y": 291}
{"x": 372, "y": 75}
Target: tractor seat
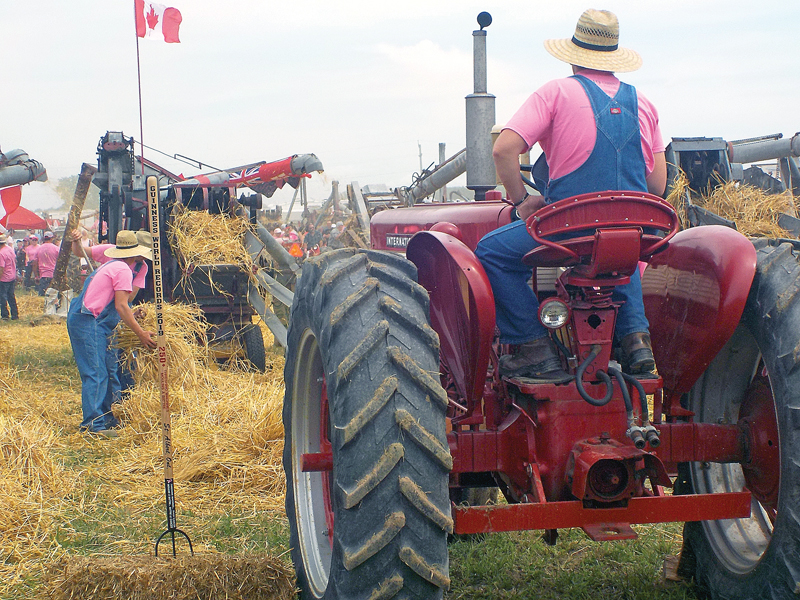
{"x": 602, "y": 234}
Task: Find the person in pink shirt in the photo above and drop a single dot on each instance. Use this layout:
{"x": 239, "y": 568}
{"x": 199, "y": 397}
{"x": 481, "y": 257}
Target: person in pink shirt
{"x": 597, "y": 134}
{"x": 97, "y": 253}
{"x": 8, "y": 277}
{"x": 45, "y": 261}
{"x": 30, "y": 255}
{"x": 91, "y": 320}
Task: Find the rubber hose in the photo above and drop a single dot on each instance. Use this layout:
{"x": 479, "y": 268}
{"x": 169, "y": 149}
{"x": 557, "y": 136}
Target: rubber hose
{"x": 642, "y": 397}
{"x": 626, "y": 396}
{"x": 564, "y": 350}
{"x": 603, "y": 376}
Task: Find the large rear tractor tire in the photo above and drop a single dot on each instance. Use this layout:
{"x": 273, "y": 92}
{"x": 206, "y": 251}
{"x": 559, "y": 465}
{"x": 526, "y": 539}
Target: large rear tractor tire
{"x": 362, "y": 387}
{"x": 755, "y": 381}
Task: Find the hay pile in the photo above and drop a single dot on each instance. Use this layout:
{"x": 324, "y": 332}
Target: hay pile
{"x": 57, "y": 486}
{"x": 200, "y": 238}
{"x": 182, "y": 578}
{"x": 187, "y": 347}
{"x": 754, "y": 211}
{"x": 29, "y": 304}
{"x": 33, "y": 483}
{"x": 227, "y": 427}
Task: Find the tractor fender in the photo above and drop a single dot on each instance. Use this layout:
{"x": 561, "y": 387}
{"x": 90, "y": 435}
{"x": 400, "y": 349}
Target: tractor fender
{"x": 461, "y": 307}
{"x": 694, "y": 294}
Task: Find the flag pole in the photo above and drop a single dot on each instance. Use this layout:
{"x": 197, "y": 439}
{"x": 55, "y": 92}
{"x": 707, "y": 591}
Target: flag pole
{"x": 139, "y": 82}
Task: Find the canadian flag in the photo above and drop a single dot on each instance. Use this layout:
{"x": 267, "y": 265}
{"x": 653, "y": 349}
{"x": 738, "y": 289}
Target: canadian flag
{"x": 9, "y": 202}
{"x": 156, "y": 20}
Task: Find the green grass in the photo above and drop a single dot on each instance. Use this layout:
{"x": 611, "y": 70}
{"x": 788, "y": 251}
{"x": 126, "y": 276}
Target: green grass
{"x": 520, "y": 565}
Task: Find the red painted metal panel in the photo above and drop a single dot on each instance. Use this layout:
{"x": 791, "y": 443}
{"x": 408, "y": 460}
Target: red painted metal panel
{"x": 473, "y": 219}
{"x": 276, "y": 170}
{"x": 709, "y": 442}
{"x": 462, "y": 307}
{"x": 694, "y": 295}
{"x": 574, "y": 217}
{"x": 561, "y": 515}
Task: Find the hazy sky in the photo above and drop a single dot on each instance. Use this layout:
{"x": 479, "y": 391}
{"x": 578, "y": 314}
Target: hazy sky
{"x": 361, "y": 83}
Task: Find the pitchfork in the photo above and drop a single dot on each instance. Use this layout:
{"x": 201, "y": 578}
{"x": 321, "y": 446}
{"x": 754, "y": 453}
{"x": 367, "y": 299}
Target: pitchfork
{"x": 163, "y": 379}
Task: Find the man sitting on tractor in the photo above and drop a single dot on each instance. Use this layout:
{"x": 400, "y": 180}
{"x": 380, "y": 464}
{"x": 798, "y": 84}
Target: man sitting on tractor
{"x": 597, "y": 134}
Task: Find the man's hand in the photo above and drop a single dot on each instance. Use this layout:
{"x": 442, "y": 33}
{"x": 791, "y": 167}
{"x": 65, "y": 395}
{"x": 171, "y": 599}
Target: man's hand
{"x": 75, "y": 235}
{"x": 530, "y": 206}
{"x": 138, "y": 313}
{"x": 148, "y": 339}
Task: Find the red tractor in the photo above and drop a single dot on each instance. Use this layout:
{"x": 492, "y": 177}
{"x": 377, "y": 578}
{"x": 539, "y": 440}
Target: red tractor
{"x": 395, "y": 409}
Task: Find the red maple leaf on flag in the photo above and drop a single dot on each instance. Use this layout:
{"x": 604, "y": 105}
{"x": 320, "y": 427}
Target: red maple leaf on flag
{"x": 157, "y": 21}
{"x": 152, "y": 19}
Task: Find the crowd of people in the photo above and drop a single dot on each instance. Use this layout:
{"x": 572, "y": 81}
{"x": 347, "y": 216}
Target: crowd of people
{"x": 310, "y": 240}
{"x": 28, "y": 261}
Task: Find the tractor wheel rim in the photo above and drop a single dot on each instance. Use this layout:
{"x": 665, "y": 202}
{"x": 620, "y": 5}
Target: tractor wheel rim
{"x": 740, "y": 543}
{"x": 311, "y": 489}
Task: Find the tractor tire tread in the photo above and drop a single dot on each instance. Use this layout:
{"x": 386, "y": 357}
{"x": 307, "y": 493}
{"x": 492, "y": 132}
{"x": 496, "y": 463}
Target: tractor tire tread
{"x": 379, "y": 354}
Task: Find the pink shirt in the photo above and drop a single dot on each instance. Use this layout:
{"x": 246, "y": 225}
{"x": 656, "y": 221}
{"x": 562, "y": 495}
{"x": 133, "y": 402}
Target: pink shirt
{"x": 559, "y": 116}
{"x": 8, "y": 262}
{"x": 110, "y": 278}
{"x": 30, "y": 253}
{"x": 47, "y": 255}
{"x": 98, "y": 254}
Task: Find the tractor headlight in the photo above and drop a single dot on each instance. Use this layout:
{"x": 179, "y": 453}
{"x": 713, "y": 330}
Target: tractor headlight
{"x": 553, "y": 313}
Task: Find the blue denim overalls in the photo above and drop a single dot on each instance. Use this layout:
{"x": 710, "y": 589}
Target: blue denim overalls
{"x": 616, "y": 163}
{"x": 97, "y": 361}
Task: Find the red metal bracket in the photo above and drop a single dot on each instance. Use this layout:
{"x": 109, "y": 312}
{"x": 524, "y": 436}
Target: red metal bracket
{"x": 562, "y": 515}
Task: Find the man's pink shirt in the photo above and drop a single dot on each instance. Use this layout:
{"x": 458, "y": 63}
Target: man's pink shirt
{"x": 47, "y": 256}
{"x": 109, "y": 279}
{"x": 8, "y": 261}
{"x": 98, "y": 255}
{"x": 559, "y": 116}
{"x": 30, "y": 253}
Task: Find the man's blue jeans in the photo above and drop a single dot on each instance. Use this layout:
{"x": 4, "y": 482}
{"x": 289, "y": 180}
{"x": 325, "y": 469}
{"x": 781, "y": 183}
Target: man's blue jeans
{"x": 97, "y": 365}
{"x": 517, "y": 308}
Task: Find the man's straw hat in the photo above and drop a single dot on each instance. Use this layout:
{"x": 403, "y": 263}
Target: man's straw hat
{"x": 127, "y": 246}
{"x": 595, "y": 45}
{"x": 145, "y": 238}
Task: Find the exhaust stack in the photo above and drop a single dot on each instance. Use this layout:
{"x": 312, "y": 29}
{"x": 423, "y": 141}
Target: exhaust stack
{"x": 481, "y": 175}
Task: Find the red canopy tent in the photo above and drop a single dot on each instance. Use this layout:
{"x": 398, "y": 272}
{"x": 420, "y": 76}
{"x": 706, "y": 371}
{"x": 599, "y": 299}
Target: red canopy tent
{"x": 22, "y": 218}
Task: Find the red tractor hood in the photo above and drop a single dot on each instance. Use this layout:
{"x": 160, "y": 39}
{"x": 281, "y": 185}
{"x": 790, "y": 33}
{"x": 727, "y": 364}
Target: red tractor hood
{"x": 392, "y": 229}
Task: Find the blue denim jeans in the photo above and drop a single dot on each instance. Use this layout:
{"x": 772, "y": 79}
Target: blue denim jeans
{"x": 98, "y": 367}
{"x": 8, "y": 301}
{"x": 516, "y": 306}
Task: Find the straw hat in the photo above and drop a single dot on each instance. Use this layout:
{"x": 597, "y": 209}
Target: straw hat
{"x": 595, "y": 45}
{"x": 145, "y": 238}
{"x": 128, "y": 246}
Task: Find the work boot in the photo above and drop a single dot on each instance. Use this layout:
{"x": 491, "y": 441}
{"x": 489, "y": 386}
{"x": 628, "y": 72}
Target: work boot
{"x": 536, "y": 359}
{"x": 637, "y": 354}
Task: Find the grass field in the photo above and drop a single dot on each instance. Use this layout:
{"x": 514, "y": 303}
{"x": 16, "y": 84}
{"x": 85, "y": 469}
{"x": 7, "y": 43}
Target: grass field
{"x": 75, "y": 495}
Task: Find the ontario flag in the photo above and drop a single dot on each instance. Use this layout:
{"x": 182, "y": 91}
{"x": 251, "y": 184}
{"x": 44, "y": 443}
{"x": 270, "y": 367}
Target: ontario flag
{"x": 9, "y": 202}
{"x": 157, "y": 21}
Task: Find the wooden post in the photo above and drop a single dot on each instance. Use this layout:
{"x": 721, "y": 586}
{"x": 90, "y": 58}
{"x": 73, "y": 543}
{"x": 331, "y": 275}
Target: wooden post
{"x": 73, "y": 219}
